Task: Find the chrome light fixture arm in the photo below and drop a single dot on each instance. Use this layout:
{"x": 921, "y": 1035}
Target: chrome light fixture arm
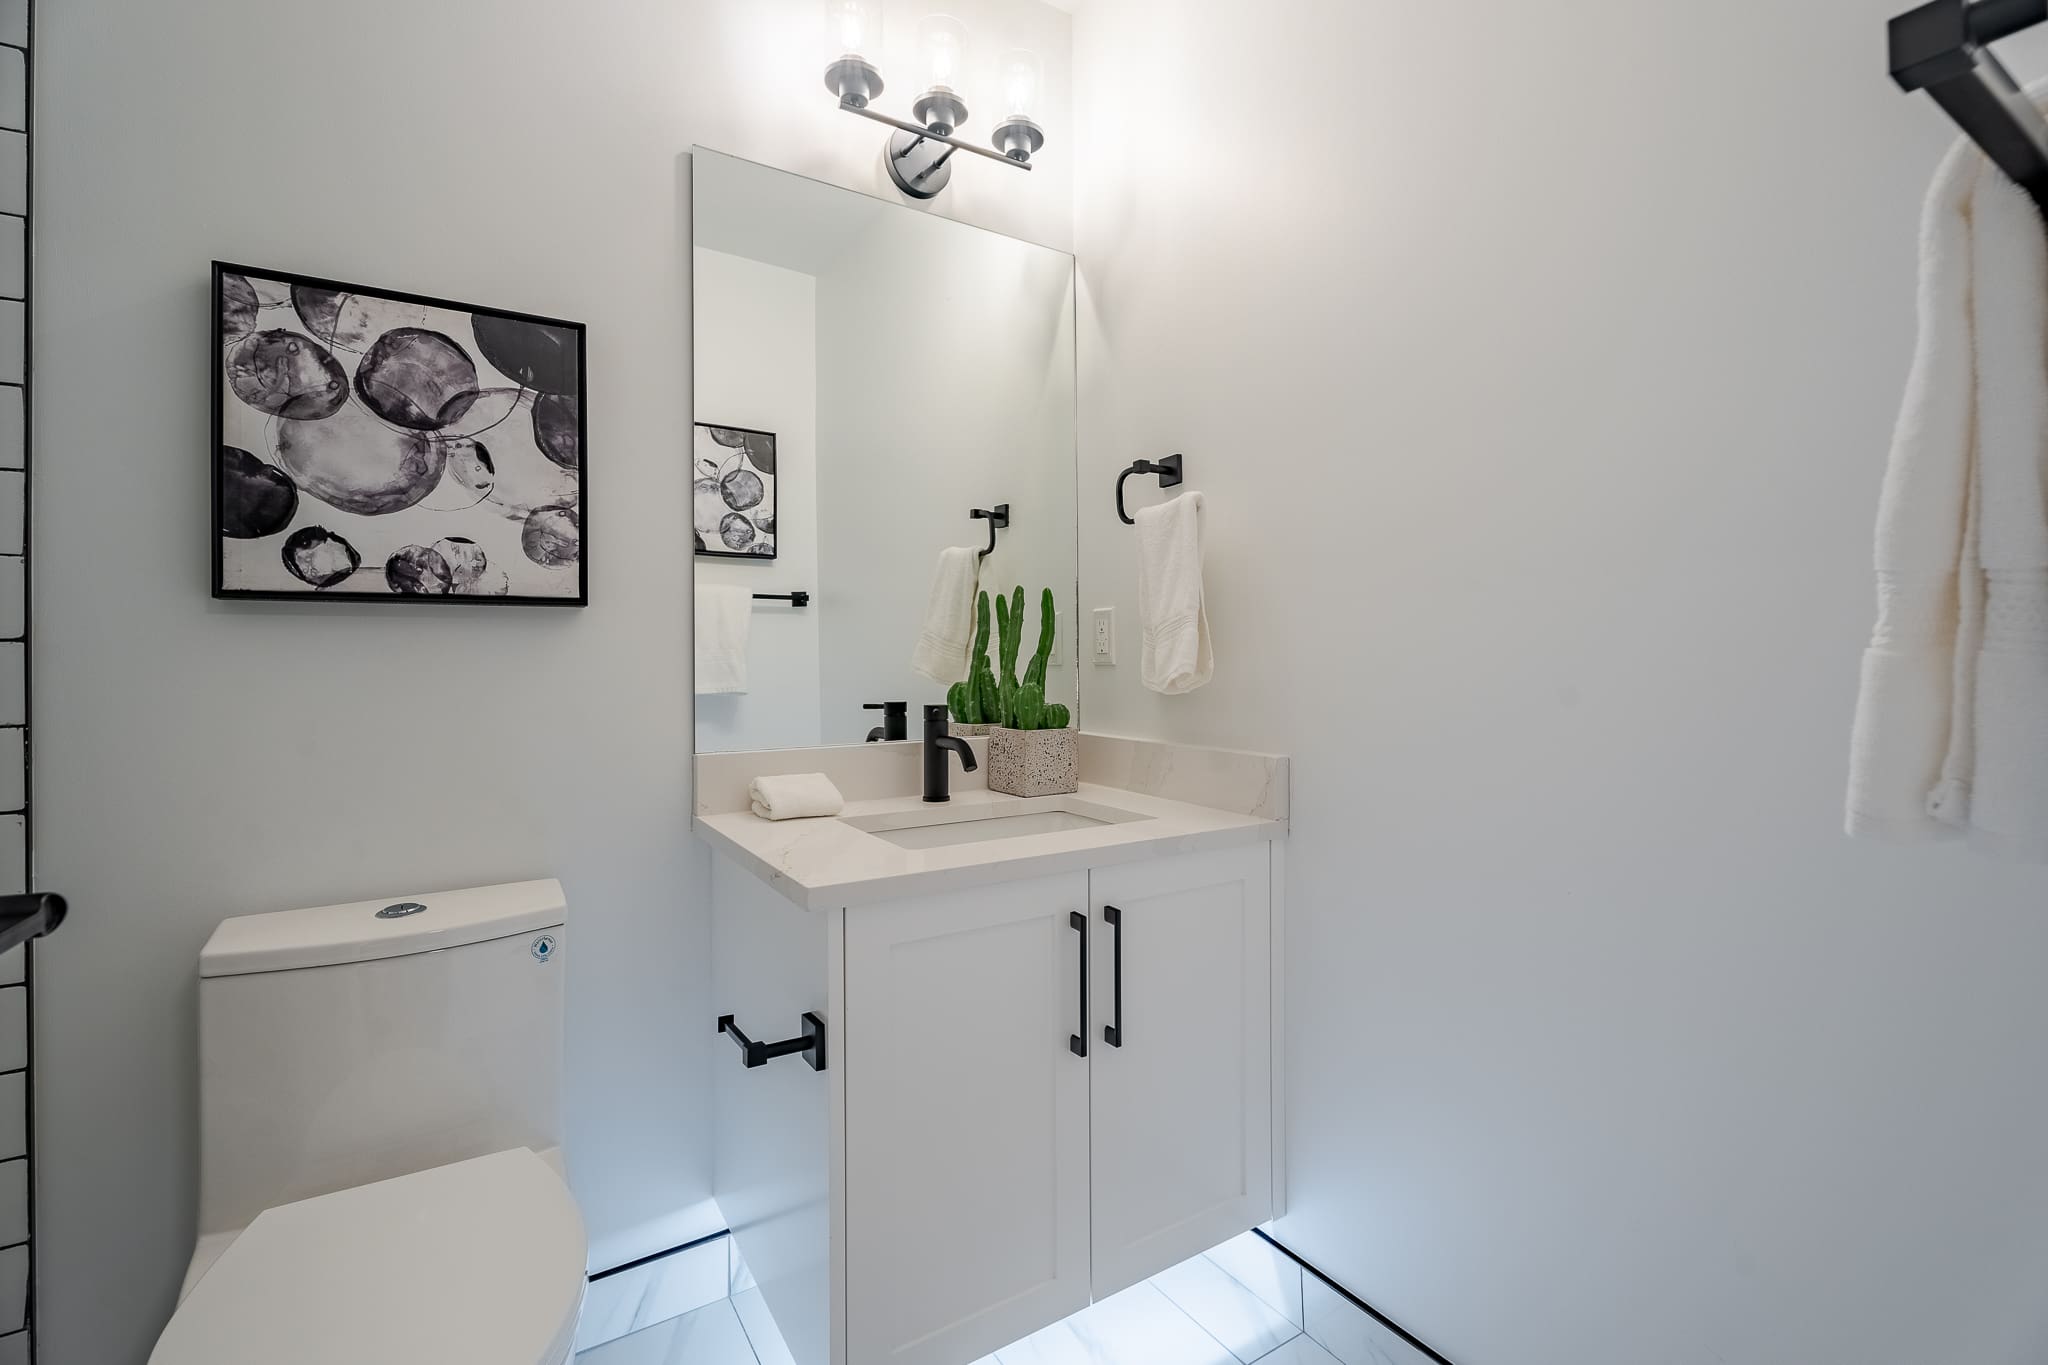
{"x": 904, "y": 125}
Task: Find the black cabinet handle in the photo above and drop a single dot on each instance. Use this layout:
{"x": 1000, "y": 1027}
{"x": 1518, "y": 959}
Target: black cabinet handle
{"x": 752, "y": 1054}
{"x": 1113, "y": 1034}
{"x": 1077, "y": 1043}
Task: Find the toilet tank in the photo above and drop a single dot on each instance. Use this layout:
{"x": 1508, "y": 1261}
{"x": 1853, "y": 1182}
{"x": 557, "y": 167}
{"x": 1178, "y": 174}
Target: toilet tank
{"x": 354, "y": 1043}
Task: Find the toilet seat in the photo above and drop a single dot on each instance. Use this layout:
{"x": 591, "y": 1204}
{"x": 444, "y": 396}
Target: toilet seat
{"x": 481, "y": 1261}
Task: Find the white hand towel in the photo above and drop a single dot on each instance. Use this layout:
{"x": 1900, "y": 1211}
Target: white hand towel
{"x": 948, "y": 629}
{"x": 795, "y": 796}
{"x": 1171, "y": 607}
{"x": 725, "y": 616}
{"x": 1951, "y": 733}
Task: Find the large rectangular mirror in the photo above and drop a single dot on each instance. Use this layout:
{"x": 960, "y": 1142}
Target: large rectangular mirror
{"x": 867, "y": 376}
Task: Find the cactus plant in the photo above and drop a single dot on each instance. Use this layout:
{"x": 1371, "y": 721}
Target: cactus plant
{"x": 972, "y": 700}
{"x": 984, "y": 698}
{"x": 1010, "y": 634}
{"x": 1025, "y": 706}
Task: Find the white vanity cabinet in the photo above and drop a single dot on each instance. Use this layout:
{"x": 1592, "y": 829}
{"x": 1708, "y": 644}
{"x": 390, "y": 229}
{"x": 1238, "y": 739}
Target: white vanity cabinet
{"x": 987, "y": 1150}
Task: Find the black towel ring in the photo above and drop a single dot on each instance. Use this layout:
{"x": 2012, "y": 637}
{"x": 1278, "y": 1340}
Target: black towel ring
{"x": 998, "y": 518}
{"x": 1168, "y": 470}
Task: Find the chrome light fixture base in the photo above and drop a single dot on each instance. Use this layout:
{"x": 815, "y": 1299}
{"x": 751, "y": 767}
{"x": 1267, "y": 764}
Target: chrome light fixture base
{"x": 853, "y": 80}
{"x": 1017, "y": 137}
{"x": 921, "y": 166}
{"x": 940, "y": 110}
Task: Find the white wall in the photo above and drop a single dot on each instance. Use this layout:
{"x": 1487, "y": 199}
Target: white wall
{"x": 985, "y": 415}
{"x": 197, "y": 759}
{"x": 1540, "y": 376}
{"x": 757, "y": 366}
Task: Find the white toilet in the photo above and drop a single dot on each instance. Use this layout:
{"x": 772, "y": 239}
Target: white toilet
{"x": 380, "y": 1129}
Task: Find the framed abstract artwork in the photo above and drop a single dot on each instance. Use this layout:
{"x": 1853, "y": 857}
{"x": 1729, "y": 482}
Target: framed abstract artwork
{"x": 733, "y": 490}
{"x": 378, "y": 446}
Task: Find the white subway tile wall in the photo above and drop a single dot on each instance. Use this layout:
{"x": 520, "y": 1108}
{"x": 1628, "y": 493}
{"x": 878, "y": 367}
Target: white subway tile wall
{"x": 13, "y": 339}
{"x": 17, "y": 1275}
{"x": 13, "y": 1202}
{"x": 13, "y": 257}
{"x": 13, "y": 173}
{"x": 13, "y": 1039}
{"x": 13, "y": 89}
{"x": 13, "y": 486}
{"x": 14, "y": 1288}
{"x": 13, "y": 430}
{"x": 13, "y": 780}
{"x": 13, "y": 1116}
{"x": 13, "y": 854}
{"x": 13, "y": 684}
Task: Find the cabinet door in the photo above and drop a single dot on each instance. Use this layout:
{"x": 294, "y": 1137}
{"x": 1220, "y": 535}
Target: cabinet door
{"x": 1181, "y": 1135}
{"x": 966, "y": 1121}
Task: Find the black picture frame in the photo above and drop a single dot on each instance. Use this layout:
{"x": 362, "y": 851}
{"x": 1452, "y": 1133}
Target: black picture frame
{"x": 772, "y": 498}
{"x": 219, "y": 395}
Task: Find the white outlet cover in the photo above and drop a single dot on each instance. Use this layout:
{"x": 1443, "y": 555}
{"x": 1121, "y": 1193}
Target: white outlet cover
{"x": 1102, "y": 636}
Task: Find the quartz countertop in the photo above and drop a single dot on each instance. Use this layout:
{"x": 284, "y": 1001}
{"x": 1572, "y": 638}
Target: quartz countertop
{"x": 824, "y": 862}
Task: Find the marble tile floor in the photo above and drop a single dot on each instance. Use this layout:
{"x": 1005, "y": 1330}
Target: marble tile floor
{"x": 1240, "y": 1303}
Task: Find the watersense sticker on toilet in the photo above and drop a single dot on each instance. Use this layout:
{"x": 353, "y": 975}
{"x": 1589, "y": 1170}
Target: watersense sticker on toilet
{"x": 542, "y": 947}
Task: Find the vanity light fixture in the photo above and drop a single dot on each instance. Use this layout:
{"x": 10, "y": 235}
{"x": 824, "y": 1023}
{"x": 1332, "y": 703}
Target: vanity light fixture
{"x": 920, "y": 156}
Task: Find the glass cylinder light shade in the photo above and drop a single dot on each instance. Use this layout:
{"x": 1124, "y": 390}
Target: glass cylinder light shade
{"x": 1023, "y": 77}
{"x": 1017, "y": 136}
{"x": 853, "y": 37}
{"x": 942, "y": 53}
{"x": 942, "y": 48}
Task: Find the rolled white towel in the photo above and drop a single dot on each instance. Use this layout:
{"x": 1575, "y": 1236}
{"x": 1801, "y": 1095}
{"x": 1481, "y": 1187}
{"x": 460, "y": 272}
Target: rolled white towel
{"x": 795, "y": 796}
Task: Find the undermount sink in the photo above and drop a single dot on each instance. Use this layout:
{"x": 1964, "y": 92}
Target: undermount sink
{"x": 940, "y": 827}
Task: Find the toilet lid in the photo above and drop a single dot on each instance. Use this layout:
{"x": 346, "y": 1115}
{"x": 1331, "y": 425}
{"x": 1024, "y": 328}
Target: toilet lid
{"x": 482, "y": 1260}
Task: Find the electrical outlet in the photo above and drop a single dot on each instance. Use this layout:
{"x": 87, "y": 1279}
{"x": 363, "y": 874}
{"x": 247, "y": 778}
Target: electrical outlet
{"x": 1102, "y": 639}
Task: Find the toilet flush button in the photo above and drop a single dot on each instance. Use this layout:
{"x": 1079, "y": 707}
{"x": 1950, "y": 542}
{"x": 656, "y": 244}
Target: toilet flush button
{"x": 400, "y": 910}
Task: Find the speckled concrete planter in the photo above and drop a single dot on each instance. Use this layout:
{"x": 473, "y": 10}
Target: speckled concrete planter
{"x": 1034, "y": 762}
{"x": 972, "y": 730}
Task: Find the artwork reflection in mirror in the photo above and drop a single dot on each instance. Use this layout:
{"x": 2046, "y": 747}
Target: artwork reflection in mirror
{"x": 868, "y": 376}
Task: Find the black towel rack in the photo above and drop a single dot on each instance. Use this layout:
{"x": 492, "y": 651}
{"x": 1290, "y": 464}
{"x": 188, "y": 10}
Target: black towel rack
{"x": 29, "y": 916}
{"x": 998, "y": 517}
{"x": 1168, "y": 470}
{"x": 1940, "y": 48}
{"x": 798, "y": 598}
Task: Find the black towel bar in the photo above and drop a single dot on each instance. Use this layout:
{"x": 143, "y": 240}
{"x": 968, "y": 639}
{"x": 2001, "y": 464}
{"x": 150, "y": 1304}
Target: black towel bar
{"x": 29, "y": 916}
{"x": 798, "y": 598}
{"x": 998, "y": 518}
{"x": 1168, "y": 470}
{"x": 1941, "y": 48}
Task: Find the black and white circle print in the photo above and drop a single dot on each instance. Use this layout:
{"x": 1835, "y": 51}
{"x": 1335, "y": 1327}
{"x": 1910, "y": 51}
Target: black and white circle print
{"x": 733, "y": 492}
{"x": 388, "y": 446}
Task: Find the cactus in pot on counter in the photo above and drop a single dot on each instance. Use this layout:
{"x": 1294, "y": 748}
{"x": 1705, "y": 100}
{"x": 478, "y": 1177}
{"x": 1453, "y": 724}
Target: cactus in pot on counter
{"x": 984, "y": 698}
{"x": 1031, "y": 752}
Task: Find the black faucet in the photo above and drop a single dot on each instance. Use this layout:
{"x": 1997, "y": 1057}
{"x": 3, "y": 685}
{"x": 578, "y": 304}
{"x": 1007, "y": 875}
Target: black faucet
{"x": 895, "y": 720}
{"x": 936, "y": 742}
